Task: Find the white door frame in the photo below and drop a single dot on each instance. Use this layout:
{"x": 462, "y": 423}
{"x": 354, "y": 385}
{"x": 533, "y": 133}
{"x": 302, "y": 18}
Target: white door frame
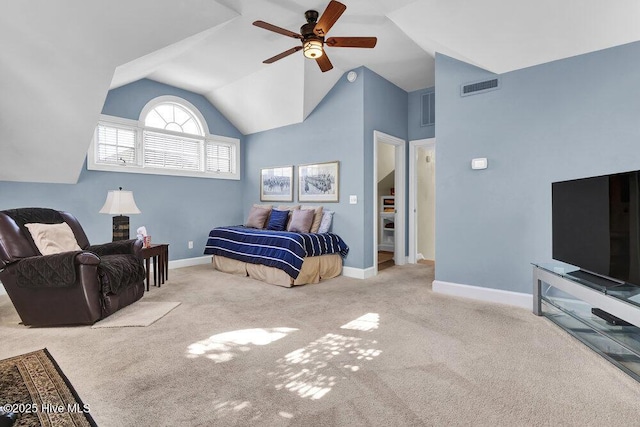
{"x": 413, "y": 194}
{"x": 400, "y": 174}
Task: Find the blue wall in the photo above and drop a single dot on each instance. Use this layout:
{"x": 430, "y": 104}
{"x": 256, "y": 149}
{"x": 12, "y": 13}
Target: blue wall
{"x": 340, "y": 128}
{"x": 129, "y": 100}
{"x": 566, "y": 119}
{"x": 333, "y": 131}
{"x": 385, "y": 110}
{"x": 178, "y": 209}
{"x": 174, "y": 209}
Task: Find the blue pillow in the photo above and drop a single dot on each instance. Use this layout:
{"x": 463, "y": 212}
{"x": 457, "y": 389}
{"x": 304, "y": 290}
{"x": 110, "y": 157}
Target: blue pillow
{"x": 278, "y": 220}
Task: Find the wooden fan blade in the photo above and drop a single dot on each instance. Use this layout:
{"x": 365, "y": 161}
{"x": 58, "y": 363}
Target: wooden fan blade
{"x": 324, "y": 63}
{"x": 329, "y": 17}
{"x": 276, "y": 29}
{"x": 367, "y": 42}
{"x": 282, "y": 55}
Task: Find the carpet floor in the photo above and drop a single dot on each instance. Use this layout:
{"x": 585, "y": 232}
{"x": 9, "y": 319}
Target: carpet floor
{"x": 377, "y": 352}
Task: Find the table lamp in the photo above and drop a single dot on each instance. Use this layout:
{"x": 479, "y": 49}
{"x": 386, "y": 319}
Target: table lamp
{"x": 120, "y": 203}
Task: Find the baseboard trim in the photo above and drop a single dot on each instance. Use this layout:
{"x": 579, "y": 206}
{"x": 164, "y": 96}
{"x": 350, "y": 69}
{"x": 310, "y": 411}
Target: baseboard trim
{"x": 358, "y": 273}
{"x": 516, "y": 299}
{"x": 189, "y": 262}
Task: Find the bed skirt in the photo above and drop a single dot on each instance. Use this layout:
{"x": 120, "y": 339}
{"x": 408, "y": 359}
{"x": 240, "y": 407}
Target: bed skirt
{"x": 314, "y": 269}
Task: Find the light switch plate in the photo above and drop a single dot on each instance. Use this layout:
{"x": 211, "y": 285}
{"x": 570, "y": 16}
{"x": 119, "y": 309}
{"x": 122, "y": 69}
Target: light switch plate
{"x": 353, "y": 199}
{"x": 479, "y": 163}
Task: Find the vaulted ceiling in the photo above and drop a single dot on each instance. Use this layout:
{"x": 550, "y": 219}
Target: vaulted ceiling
{"x": 59, "y": 58}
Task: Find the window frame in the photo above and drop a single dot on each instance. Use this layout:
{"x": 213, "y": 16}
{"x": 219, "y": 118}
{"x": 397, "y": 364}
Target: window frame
{"x": 139, "y": 128}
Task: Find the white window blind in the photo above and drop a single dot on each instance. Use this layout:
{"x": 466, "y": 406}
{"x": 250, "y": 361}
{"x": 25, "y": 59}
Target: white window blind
{"x": 169, "y": 139}
{"x": 219, "y": 158}
{"x": 171, "y": 151}
{"x": 115, "y": 145}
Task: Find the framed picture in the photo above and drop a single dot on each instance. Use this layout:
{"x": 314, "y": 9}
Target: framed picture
{"x": 276, "y": 184}
{"x": 318, "y": 182}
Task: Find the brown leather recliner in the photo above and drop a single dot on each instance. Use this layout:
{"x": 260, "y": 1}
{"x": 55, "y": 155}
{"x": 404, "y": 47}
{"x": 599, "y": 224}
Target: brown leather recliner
{"x": 77, "y": 287}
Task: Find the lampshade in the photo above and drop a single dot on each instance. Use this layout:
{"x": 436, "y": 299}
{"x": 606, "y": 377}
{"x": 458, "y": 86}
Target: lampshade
{"x": 120, "y": 202}
{"x": 313, "y": 49}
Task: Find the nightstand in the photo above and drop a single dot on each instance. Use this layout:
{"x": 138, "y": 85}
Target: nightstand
{"x": 160, "y": 254}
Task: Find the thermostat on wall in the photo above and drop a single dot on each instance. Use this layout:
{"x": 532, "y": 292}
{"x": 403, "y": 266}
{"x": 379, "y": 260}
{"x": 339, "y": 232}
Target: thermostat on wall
{"x": 479, "y": 163}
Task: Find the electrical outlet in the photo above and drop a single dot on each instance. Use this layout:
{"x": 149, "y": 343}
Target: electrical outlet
{"x": 190, "y": 244}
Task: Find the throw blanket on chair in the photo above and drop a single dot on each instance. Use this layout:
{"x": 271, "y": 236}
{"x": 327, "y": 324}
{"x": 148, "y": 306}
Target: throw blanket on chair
{"x": 51, "y": 271}
{"x": 112, "y": 248}
{"x": 281, "y": 249}
{"x": 119, "y": 271}
{"x": 59, "y": 270}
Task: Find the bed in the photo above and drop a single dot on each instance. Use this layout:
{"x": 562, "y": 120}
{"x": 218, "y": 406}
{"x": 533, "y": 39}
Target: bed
{"x": 277, "y": 257}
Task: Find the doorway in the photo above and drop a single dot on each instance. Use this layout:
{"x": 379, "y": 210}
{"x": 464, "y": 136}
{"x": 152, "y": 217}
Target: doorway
{"x": 389, "y": 229}
{"x": 422, "y": 201}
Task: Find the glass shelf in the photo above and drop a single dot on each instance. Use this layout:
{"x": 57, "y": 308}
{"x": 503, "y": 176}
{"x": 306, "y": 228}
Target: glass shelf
{"x": 626, "y": 335}
{"x": 628, "y": 293}
{"x": 567, "y": 300}
{"x": 623, "y": 291}
{"x": 618, "y": 344}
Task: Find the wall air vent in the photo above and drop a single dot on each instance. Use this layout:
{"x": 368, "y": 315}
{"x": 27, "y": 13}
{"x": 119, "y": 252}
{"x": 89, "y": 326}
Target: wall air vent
{"x": 476, "y": 88}
{"x": 428, "y": 109}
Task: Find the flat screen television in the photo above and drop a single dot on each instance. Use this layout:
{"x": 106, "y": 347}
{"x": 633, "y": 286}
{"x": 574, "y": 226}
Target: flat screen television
{"x": 596, "y": 225}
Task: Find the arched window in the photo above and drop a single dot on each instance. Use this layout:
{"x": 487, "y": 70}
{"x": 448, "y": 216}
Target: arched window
{"x": 170, "y": 138}
{"x": 173, "y": 117}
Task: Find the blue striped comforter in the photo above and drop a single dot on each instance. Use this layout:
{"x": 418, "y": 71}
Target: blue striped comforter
{"x": 280, "y": 249}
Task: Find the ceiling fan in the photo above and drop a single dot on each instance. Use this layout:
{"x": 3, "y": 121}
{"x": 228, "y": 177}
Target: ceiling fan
{"x": 312, "y": 35}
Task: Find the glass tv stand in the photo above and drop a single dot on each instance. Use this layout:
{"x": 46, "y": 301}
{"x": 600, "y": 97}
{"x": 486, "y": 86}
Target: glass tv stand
{"x": 566, "y": 296}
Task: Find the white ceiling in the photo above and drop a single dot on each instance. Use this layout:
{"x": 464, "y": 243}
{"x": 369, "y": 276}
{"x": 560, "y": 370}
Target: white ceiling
{"x": 60, "y": 58}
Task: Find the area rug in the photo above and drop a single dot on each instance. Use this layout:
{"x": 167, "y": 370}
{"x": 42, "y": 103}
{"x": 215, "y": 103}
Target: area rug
{"x": 33, "y": 386}
{"x": 141, "y": 313}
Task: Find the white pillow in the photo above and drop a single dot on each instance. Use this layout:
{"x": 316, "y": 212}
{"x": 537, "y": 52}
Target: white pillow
{"x": 53, "y": 238}
{"x": 325, "y": 224}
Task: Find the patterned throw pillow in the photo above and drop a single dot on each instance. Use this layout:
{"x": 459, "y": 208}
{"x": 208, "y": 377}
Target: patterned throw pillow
{"x": 278, "y": 220}
{"x": 325, "y": 224}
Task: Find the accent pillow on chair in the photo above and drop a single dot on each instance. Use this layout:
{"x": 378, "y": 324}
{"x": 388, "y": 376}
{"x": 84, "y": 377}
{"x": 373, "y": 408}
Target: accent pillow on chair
{"x": 278, "y": 220}
{"x": 53, "y": 238}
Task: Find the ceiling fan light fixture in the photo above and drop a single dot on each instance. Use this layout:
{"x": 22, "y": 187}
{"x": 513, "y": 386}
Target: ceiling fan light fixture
{"x": 312, "y": 49}
{"x": 313, "y": 33}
